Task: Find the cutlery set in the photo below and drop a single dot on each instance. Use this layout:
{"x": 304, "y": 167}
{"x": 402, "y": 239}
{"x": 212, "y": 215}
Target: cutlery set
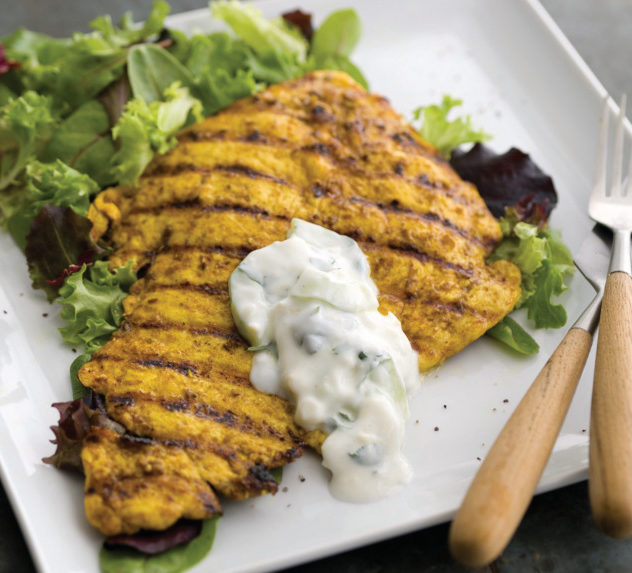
{"x": 502, "y": 489}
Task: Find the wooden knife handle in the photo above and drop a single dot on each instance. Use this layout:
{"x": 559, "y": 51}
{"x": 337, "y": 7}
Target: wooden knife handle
{"x": 503, "y": 487}
{"x": 610, "y": 474}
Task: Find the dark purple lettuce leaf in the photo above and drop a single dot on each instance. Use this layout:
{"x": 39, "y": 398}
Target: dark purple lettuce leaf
{"x": 152, "y": 542}
{"x": 508, "y": 180}
{"x": 58, "y": 244}
{"x": 302, "y": 20}
{"x": 76, "y": 417}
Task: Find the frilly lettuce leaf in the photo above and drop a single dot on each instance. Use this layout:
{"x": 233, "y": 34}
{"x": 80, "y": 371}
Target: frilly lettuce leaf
{"x": 217, "y": 89}
{"x": 76, "y": 418}
{"x": 50, "y": 184}
{"x": 6, "y": 94}
{"x": 216, "y": 51}
{"x": 544, "y": 262}
{"x": 129, "y": 33}
{"x": 92, "y": 300}
{"x": 443, "y": 133}
{"x": 26, "y": 124}
{"x": 147, "y": 128}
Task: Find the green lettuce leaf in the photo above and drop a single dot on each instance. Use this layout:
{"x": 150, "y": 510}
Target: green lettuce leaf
{"x": 11, "y": 201}
{"x": 38, "y": 54}
{"x": 219, "y": 64}
{"x": 217, "y": 51}
{"x": 443, "y": 133}
{"x": 92, "y": 300}
{"x": 147, "y": 128}
{"x": 272, "y": 66}
{"x": 217, "y": 89}
{"x": 134, "y": 152}
{"x": 261, "y": 34}
{"x": 272, "y": 50}
{"x": 6, "y": 95}
{"x": 151, "y": 70}
{"x": 338, "y": 62}
{"x": 84, "y": 142}
{"x": 174, "y": 560}
{"x": 26, "y": 124}
{"x": 509, "y": 332}
{"x": 544, "y": 262}
{"x": 338, "y": 34}
{"x": 129, "y": 33}
{"x": 70, "y": 71}
{"x": 50, "y": 184}
{"x": 85, "y": 72}
{"x": 179, "y": 43}
{"x": 78, "y": 389}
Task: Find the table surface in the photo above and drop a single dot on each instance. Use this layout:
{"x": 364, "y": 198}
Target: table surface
{"x": 557, "y": 534}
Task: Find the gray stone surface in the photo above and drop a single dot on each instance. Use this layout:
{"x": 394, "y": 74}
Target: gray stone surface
{"x": 557, "y": 534}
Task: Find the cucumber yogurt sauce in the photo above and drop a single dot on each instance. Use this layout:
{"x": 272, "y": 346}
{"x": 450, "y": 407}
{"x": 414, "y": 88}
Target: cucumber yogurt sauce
{"x": 308, "y": 307}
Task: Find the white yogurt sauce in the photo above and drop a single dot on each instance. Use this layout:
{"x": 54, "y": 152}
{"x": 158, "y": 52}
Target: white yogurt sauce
{"x": 309, "y": 307}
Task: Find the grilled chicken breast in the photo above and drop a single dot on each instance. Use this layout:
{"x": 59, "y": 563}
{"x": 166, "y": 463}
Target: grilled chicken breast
{"x": 176, "y": 374}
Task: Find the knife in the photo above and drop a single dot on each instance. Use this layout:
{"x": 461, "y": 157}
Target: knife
{"x": 500, "y": 493}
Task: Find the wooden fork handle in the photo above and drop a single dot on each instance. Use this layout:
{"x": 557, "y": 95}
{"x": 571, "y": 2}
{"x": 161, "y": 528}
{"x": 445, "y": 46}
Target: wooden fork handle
{"x": 610, "y": 474}
{"x": 503, "y": 487}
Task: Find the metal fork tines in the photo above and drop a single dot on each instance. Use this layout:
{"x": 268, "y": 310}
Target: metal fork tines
{"x": 610, "y": 474}
{"x": 611, "y": 204}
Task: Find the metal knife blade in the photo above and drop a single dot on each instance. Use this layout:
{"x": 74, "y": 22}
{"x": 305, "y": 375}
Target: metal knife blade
{"x": 592, "y": 261}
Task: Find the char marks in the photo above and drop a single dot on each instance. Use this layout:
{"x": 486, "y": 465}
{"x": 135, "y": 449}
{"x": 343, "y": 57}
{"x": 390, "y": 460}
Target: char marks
{"x": 176, "y": 373}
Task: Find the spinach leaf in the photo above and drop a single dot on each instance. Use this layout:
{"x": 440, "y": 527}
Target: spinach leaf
{"x": 341, "y": 63}
{"x": 174, "y": 560}
{"x": 338, "y": 34}
{"x": 78, "y": 389}
{"x": 509, "y": 332}
{"x": 151, "y": 70}
{"x": 83, "y": 141}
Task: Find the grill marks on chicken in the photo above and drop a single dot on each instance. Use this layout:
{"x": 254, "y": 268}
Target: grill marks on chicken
{"x": 176, "y": 373}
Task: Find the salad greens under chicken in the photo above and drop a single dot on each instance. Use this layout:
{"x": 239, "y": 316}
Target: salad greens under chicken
{"x": 83, "y": 113}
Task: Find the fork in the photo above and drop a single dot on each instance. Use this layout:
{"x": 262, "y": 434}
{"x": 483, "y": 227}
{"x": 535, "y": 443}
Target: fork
{"x": 610, "y": 471}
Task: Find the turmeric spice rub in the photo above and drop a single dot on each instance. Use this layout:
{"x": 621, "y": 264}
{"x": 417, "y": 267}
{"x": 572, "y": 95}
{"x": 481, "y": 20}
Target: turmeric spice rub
{"x": 176, "y": 374}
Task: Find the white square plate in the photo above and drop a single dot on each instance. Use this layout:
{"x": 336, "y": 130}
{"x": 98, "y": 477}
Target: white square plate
{"x": 520, "y": 80}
